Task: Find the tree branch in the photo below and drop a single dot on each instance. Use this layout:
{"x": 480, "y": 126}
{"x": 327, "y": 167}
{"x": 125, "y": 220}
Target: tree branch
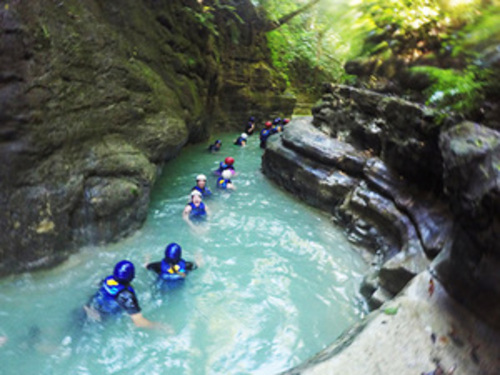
{"x": 286, "y": 18}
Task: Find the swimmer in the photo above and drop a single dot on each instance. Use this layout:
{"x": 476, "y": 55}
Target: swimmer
{"x": 241, "y": 140}
{"x": 224, "y": 181}
{"x": 117, "y": 295}
{"x": 250, "y": 128}
{"x": 172, "y": 267}
{"x": 215, "y": 147}
{"x": 201, "y": 186}
{"x": 227, "y": 164}
{"x": 265, "y": 133}
{"x": 196, "y": 209}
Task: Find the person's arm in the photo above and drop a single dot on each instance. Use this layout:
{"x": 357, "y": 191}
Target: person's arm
{"x": 231, "y": 186}
{"x": 140, "y": 321}
{"x": 155, "y": 266}
{"x": 207, "y": 210}
{"x": 186, "y": 212}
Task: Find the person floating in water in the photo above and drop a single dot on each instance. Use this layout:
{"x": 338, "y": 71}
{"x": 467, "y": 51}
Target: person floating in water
{"x": 172, "y": 267}
{"x": 216, "y": 146}
{"x": 241, "y": 140}
{"x": 265, "y": 133}
{"x": 250, "y": 128}
{"x": 224, "y": 181}
{"x": 277, "y": 127}
{"x": 227, "y": 164}
{"x": 196, "y": 209}
{"x": 285, "y": 121}
{"x": 201, "y": 186}
{"x": 117, "y": 295}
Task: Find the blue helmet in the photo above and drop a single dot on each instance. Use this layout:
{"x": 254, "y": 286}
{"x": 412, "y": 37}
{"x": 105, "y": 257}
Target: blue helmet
{"x": 173, "y": 253}
{"x": 277, "y": 120}
{"x": 124, "y": 272}
{"x": 252, "y": 119}
{"x": 218, "y": 141}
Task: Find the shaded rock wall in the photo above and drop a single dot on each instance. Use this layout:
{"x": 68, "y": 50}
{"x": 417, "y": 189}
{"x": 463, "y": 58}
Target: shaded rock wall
{"x": 409, "y": 190}
{"x": 95, "y": 96}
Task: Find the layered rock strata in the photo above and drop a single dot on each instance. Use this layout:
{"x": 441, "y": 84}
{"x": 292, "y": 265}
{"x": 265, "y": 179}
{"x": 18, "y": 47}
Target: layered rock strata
{"x": 412, "y": 191}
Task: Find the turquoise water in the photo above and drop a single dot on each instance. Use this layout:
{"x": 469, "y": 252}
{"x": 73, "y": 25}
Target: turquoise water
{"x": 277, "y": 284}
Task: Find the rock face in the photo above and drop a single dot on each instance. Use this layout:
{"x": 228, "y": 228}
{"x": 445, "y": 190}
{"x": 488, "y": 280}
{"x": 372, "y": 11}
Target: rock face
{"x": 411, "y": 191}
{"x": 96, "y": 96}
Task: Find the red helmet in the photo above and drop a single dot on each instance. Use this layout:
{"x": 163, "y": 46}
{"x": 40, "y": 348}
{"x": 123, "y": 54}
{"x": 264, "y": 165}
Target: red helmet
{"x": 268, "y": 124}
{"x": 229, "y": 160}
{"x": 286, "y": 121}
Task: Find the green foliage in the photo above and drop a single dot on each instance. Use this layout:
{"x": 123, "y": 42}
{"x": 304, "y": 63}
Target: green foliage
{"x": 455, "y": 90}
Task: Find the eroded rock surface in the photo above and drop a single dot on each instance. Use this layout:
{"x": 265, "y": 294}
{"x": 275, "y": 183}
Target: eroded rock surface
{"x": 95, "y": 96}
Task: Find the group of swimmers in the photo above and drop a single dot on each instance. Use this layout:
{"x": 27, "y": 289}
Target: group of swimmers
{"x": 116, "y": 293}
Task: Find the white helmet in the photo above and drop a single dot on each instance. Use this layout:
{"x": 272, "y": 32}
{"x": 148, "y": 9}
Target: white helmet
{"x": 201, "y": 177}
{"x": 195, "y": 192}
{"x": 226, "y": 175}
{"x": 244, "y": 135}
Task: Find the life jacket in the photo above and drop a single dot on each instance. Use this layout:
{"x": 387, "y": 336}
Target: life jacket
{"x": 276, "y": 129}
{"x": 239, "y": 141}
{"x": 204, "y": 192}
{"x": 199, "y": 211}
{"x": 222, "y": 183}
{"x": 105, "y": 299}
{"x": 264, "y": 134}
{"x": 172, "y": 272}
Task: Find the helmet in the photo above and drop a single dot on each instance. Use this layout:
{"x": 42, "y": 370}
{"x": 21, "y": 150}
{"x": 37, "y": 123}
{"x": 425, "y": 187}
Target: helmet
{"x": 195, "y": 192}
{"x": 244, "y": 135}
{"x": 173, "y": 253}
{"x": 229, "y": 160}
{"x": 201, "y": 177}
{"x": 252, "y": 119}
{"x": 226, "y": 175}
{"x": 268, "y": 124}
{"x": 218, "y": 142}
{"x": 277, "y": 120}
{"x": 124, "y": 272}
{"x": 286, "y": 121}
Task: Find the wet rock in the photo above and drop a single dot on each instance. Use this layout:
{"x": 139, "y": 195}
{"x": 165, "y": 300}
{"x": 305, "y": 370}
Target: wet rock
{"x": 469, "y": 268}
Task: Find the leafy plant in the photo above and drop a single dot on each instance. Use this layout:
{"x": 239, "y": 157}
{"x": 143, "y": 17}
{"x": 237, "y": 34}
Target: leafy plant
{"x": 455, "y": 90}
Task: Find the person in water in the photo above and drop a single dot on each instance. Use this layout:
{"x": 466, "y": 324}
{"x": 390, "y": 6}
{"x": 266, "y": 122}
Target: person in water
{"x": 215, "y": 147}
{"x": 224, "y": 181}
{"x": 241, "y": 140}
{"x": 172, "y": 267}
{"x": 250, "y": 128}
{"x": 277, "y": 127}
{"x": 285, "y": 121}
{"x": 116, "y": 295}
{"x": 265, "y": 133}
{"x": 196, "y": 209}
{"x": 201, "y": 186}
{"x": 227, "y": 164}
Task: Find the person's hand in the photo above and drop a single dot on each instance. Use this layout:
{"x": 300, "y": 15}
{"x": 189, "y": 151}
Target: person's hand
{"x": 92, "y": 314}
{"x": 3, "y": 340}
{"x": 198, "y": 259}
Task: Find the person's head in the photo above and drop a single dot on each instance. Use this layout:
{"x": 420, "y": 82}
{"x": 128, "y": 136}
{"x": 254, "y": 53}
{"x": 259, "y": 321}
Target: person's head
{"x": 196, "y": 197}
{"x": 201, "y": 180}
{"x": 218, "y": 143}
{"x": 268, "y": 124}
{"x": 229, "y": 160}
{"x": 286, "y": 121}
{"x": 277, "y": 120}
{"x": 252, "y": 119}
{"x": 244, "y": 136}
{"x": 226, "y": 175}
{"x": 173, "y": 253}
{"x": 124, "y": 272}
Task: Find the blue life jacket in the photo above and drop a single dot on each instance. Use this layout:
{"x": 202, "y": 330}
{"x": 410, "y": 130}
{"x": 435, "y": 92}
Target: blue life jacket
{"x": 264, "y": 134}
{"x": 197, "y": 212}
{"x": 204, "y": 192}
{"x": 239, "y": 141}
{"x": 222, "y": 183}
{"x": 172, "y": 272}
{"x": 276, "y": 129}
{"x": 105, "y": 299}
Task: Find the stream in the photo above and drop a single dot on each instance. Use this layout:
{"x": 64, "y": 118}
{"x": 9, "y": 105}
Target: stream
{"x": 278, "y": 282}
